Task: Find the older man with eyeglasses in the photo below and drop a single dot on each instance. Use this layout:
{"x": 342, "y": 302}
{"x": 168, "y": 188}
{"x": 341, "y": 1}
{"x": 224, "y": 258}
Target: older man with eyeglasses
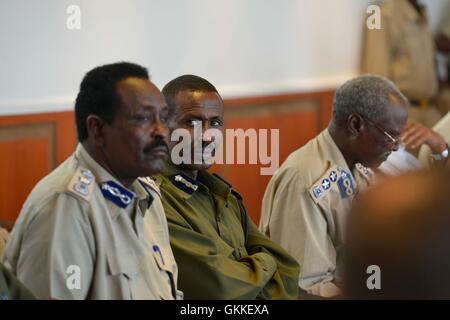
{"x": 307, "y": 201}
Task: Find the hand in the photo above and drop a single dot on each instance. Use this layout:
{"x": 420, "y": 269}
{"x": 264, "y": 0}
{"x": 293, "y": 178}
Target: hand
{"x": 416, "y": 134}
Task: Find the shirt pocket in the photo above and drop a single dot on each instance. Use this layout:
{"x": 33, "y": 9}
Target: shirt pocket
{"x": 240, "y": 253}
{"x": 224, "y": 248}
{"x": 126, "y": 274}
{"x": 167, "y": 267}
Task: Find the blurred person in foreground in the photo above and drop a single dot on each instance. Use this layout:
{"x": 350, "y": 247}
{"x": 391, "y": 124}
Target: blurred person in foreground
{"x": 398, "y": 241}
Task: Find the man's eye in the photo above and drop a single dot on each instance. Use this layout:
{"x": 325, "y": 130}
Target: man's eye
{"x": 141, "y": 117}
{"x": 163, "y": 119}
{"x": 216, "y": 123}
{"x": 194, "y": 122}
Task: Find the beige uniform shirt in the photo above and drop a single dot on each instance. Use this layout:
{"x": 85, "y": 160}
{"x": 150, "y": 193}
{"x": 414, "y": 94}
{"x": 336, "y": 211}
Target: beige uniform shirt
{"x": 443, "y": 128}
{"x": 82, "y": 235}
{"x": 402, "y": 50}
{"x": 305, "y": 209}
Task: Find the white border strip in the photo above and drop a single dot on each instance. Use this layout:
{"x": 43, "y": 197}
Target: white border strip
{"x": 8, "y": 108}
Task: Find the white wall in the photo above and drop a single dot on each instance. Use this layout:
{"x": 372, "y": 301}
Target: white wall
{"x": 244, "y": 47}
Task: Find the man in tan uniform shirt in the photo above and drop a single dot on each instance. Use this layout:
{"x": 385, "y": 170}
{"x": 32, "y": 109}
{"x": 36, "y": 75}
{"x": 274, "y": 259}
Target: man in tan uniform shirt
{"x": 307, "y": 201}
{"x": 403, "y": 51}
{"x": 91, "y": 229}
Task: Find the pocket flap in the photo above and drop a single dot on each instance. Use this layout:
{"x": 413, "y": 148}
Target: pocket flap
{"x": 124, "y": 263}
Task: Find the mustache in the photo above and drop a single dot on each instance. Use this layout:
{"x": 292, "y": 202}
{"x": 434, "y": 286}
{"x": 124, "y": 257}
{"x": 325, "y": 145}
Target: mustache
{"x": 159, "y": 142}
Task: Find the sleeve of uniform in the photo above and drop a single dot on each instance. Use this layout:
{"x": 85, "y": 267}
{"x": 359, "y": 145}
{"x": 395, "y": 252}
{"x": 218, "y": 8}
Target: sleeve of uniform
{"x": 300, "y": 226}
{"x": 11, "y": 288}
{"x": 219, "y": 276}
{"x": 284, "y": 283}
{"x": 376, "y": 48}
{"x": 56, "y": 258}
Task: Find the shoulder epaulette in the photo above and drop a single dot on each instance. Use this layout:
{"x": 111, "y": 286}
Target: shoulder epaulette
{"x": 82, "y": 183}
{"x": 150, "y": 183}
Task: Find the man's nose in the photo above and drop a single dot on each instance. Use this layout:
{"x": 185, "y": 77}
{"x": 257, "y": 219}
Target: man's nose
{"x": 160, "y": 130}
{"x": 207, "y": 137}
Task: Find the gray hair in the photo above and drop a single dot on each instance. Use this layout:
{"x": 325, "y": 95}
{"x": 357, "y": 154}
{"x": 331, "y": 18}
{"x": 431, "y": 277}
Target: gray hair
{"x": 367, "y": 95}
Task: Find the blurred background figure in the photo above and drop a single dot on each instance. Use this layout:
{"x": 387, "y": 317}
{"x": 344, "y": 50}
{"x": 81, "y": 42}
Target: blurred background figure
{"x": 403, "y": 50}
{"x": 398, "y": 239}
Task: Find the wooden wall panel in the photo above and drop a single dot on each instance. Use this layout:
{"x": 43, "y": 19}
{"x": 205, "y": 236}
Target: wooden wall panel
{"x": 22, "y": 164}
{"x": 30, "y": 147}
{"x": 33, "y": 145}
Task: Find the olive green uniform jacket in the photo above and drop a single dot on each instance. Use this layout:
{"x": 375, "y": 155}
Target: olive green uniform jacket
{"x": 219, "y": 251}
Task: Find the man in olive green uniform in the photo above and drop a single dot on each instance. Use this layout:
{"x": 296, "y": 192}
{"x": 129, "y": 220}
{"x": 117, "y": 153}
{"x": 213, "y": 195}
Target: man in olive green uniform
{"x": 403, "y": 51}
{"x": 219, "y": 251}
{"x": 91, "y": 229}
{"x": 306, "y": 203}
{"x": 11, "y": 288}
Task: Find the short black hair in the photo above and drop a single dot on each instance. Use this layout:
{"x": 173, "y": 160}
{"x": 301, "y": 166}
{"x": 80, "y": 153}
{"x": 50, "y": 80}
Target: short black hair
{"x": 187, "y": 82}
{"x": 98, "y": 93}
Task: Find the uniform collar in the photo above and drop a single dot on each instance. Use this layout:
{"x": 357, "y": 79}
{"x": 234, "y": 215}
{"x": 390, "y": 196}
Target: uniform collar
{"x": 332, "y": 154}
{"x": 331, "y": 151}
{"x": 107, "y": 182}
{"x": 187, "y": 186}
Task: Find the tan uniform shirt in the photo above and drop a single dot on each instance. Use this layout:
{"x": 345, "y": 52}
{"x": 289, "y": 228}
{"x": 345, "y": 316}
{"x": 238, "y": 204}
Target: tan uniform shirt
{"x": 305, "y": 209}
{"x": 403, "y": 50}
{"x": 81, "y": 235}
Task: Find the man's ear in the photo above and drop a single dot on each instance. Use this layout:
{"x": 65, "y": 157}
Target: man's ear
{"x": 354, "y": 124}
{"x": 95, "y": 127}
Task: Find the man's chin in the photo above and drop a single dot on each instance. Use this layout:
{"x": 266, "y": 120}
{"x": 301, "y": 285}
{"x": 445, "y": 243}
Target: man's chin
{"x": 375, "y": 164}
{"x": 155, "y": 167}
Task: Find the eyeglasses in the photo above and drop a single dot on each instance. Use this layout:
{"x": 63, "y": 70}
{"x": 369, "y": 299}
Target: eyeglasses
{"x": 395, "y": 141}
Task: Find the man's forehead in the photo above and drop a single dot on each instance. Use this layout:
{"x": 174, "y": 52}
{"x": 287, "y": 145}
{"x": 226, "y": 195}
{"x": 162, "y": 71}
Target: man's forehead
{"x": 198, "y": 98}
{"x": 139, "y": 89}
{"x": 199, "y": 102}
{"x": 395, "y": 113}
